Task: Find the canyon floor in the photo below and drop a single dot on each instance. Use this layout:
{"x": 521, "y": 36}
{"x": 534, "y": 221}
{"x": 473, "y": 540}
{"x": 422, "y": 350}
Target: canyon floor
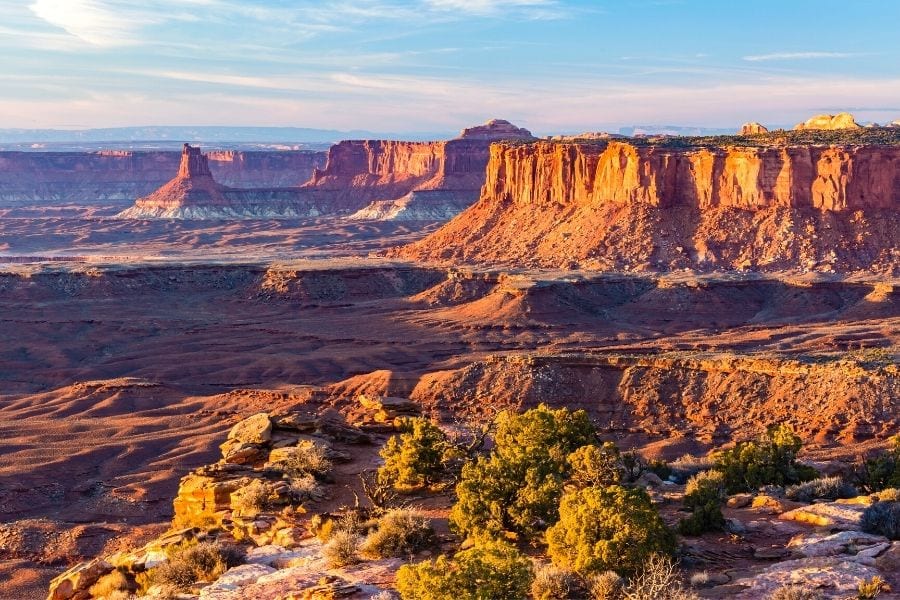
{"x": 124, "y": 364}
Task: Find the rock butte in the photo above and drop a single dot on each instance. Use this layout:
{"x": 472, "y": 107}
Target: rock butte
{"x": 620, "y": 205}
{"x": 839, "y": 121}
{"x": 368, "y": 179}
{"x": 753, "y": 128}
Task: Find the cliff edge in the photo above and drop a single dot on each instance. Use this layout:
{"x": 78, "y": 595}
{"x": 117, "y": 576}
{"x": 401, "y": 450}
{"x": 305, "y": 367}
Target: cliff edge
{"x": 639, "y": 205}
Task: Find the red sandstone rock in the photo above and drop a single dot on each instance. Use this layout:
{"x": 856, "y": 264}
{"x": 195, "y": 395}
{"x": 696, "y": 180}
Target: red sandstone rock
{"x": 753, "y": 128}
{"x": 839, "y": 121}
{"x": 620, "y": 205}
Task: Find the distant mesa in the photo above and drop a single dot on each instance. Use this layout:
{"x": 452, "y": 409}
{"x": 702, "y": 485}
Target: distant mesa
{"x": 362, "y": 179}
{"x": 842, "y": 120}
{"x": 753, "y": 128}
{"x": 495, "y": 129}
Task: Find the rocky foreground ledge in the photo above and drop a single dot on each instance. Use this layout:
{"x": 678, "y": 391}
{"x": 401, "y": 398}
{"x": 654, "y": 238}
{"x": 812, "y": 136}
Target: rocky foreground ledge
{"x": 276, "y": 552}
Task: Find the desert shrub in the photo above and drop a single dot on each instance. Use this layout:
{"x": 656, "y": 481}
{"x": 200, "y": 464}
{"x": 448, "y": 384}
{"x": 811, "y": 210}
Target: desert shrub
{"x": 415, "y": 457}
{"x": 252, "y": 498}
{"x": 187, "y": 565}
{"x": 823, "y": 488}
{"x": 399, "y": 533}
{"x": 869, "y": 589}
{"x": 882, "y": 518}
{"x": 889, "y": 495}
{"x": 490, "y": 570}
{"x": 689, "y": 465}
{"x": 796, "y": 592}
{"x": 553, "y": 583}
{"x": 660, "y": 468}
{"x": 305, "y": 488}
{"x": 607, "y": 529}
{"x": 518, "y": 486}
{"x": 881, "y": 471}
{"x": 769, "y": 460}
{"x": 658, "y": 579}
{"x": 112, "y": 585}
{"x": 307, "y": 458}
{"x": 342, "y": 548}
{"x": 607, "y": 585}
{"x": 704, "y": 495}
{"x": 595, "y": 466}
{"x": 384, "y": 595}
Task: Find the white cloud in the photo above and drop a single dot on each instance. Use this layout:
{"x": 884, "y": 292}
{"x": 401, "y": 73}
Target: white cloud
{"x": 96, "y": 22}
{"x": 530, "y": 8}
{"x": 798, "y": 56}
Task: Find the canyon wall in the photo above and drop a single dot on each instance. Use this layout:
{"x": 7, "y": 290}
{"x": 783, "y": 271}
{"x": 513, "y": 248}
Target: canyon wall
{"x": 396, "y": 177}
{"x": 627, "y": 206}
{"x": 119, "y": 176}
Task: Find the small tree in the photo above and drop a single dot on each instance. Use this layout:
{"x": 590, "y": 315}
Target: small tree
{"x": 882, "y": 471}
{"x": 607, "y": 529}
{"x": 704, "y": 495}
{"x": 517, "y": 488}
{"x": 414, "y": 458}
{"x": 595, "y": 466}
{"x": 489, "y": 571}
{"x": 769, "y": 460}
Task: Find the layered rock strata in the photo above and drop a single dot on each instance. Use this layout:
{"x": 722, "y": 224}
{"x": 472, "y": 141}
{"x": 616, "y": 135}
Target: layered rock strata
{"x": 411, "y": 180}
{"x": 622, "y": 205}
{"x": 47, "y": 178}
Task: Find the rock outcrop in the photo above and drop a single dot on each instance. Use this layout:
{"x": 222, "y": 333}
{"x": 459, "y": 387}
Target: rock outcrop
{"x": 107, "y": 177}
{"x": 367, "y": 179}
{"x": 410, "y": 180}
{"x": 640, "y": 206}
{"x": 839, "y": 121}
{"x": 753, "y": 128}
{"x": 194, "y": 194}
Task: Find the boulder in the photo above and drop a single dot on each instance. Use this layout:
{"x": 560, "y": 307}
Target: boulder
{"x": 774, "y": 505}
{"x": 252, "y": 430}
{"x": 202, "y": 500}
{"x": 842, "y": 120}
{"x": 333, "y": 424}
{"x": 739, "y": 500}
{"x": 241, "y": 453}
{"x": 75, "y": 583}
{"x": 384, "y": 409}
{"x": 753, "y": 128}
{"x": 841, "y": 514}
{"x": 234, "y": 579}
{"x": 843, "y": 542}
{"x": 834, "y": 577}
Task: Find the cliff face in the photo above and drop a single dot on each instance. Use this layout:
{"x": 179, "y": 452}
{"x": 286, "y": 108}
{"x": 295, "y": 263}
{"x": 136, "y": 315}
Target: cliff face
{"x": 382, "y": 172}
{"x": 119, "y": 176}
{"x": 620, "y": 205}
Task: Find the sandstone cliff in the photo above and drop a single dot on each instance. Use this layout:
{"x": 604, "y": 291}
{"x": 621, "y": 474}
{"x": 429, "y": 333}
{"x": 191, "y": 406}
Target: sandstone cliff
{"x": 624, "y": 205}
{"x": 753, "y": 128}
{"x": 117, "y": 176}
{"x": 392, "y": 175}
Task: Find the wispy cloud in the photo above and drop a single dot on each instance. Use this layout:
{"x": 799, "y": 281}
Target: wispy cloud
{"x": 799, "y": 56}
{"x": 537, "y": 9}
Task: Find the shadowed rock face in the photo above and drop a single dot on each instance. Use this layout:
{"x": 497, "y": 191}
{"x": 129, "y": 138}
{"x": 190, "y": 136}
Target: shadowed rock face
{"x": 113, "y": 176}
{"x": 624, "y": 205}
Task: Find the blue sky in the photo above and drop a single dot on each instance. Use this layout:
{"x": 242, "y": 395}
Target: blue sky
{"x": 435, "y": 65}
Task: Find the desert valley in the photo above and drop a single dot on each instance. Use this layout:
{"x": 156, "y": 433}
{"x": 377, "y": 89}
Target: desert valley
{"x": 330, "y": 299}
{"x": 449, "y": 300}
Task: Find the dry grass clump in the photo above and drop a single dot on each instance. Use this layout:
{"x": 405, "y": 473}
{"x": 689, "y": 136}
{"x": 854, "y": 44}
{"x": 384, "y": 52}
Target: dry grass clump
{"x": 883, "y": 518}
{"x": 889, "y": 495}
{"x": 400, "y": 533}
{"x": 306, "y": 488}
{"x": 796, "y": 592}
{"x": 658, "y": 580}
{"x": 205, "y": 561}
{"x": 823, "y": 488}
{"x": 606, "y": 586}
{"x": 112, "y": 586}
{"x": 253, "y": 498}
{"x": 552, "y": 583}
{"x": 689, "y": 465}
{"x": 307, "y": 458}
{"x": 342, "y": 549}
